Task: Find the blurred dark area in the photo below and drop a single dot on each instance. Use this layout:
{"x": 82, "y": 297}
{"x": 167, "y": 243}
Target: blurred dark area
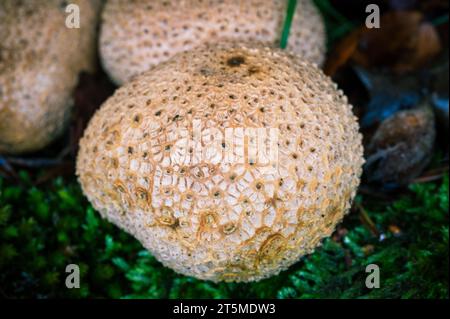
{"x": 396, "y": 77}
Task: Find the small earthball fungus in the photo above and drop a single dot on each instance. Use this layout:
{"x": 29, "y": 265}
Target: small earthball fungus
{"x": 40, "y": 59}
{"x": 197, "y": 211}
{"x": 137, "y": 35}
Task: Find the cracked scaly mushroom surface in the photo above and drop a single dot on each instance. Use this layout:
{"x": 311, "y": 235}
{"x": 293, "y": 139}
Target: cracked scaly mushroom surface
{"x": 40, "y": 59}
{"x": 140, "y": 34}
{"x": 212, "y": 219}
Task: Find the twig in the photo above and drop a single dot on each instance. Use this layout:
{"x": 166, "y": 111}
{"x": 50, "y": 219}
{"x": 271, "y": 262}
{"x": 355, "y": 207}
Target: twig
{"x": 33, "y": 162}
{"x": 426, "y": 179}
{"x": 367, "y": 221}
{"x": 7, "y": 168}
{"x": 7, "y": 162}
{"x": 59, "y": 170}
{"x": 370, "y": 192}
{"x": 431, "y": 175}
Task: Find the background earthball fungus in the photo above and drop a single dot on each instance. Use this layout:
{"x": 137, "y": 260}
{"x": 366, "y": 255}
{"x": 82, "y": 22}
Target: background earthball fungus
{"x": 137, "y": 35}
{"x": 40, "y": 59}
{"x": 216, "y": 220}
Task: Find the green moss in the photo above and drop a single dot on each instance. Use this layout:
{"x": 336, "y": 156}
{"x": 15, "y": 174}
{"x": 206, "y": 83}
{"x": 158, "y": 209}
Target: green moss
{"x": 45, "y": 228}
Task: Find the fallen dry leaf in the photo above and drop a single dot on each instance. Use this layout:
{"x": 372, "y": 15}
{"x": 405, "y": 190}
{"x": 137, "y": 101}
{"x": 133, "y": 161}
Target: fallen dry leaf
{"x": 405, "y": 42}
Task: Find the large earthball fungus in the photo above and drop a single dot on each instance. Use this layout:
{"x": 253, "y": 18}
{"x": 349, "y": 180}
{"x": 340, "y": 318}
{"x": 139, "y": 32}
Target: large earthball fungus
{"x": 40, "y": 59}
{"x": 139, "y": 34}
{"x": 150, "y": 163}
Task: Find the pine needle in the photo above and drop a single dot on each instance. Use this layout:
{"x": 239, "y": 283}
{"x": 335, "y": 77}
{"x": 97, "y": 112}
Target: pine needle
{"x": 287, "y": 23}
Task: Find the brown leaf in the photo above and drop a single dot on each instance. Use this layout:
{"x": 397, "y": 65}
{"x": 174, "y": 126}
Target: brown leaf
{"x": 367, "y": 221}
{"x": 403, "y": 43}
{"x": 342, "y": 52}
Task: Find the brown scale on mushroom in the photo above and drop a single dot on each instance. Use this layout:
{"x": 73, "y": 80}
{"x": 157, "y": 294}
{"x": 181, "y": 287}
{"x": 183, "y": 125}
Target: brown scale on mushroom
{"x": 213, "y": 219}
{"x": 40, "y": 59}
{"x": 137, "y": 35}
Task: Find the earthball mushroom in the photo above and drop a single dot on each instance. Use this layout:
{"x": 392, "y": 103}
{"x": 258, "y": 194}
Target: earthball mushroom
{"x": 40, "y": 58}
{"x": 226, "y": 162}
{"x": 137, "y": 35}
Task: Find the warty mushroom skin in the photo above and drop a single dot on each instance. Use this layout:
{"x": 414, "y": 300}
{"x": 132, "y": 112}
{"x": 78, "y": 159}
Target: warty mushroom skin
{"x": 40, "y": 59}
{"x": 137, "y": 35}
{"x": 224, "y": 221}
